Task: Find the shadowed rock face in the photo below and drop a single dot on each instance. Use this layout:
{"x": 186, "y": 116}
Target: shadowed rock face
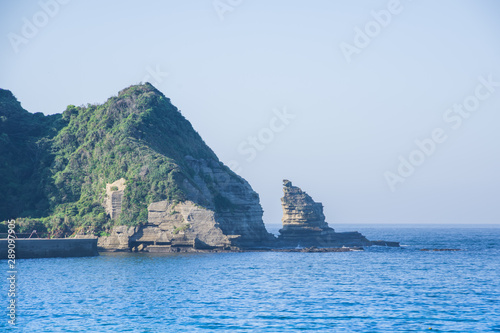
{"x": 304, "y": 223}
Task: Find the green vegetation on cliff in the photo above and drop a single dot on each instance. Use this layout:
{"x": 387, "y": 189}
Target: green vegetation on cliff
{"x": 54, "y": 169}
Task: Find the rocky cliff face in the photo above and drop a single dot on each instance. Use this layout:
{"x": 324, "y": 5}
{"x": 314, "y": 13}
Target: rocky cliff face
{"x": 304, "y": 223}
{"x": 236, "y": 206}
{"x": 170, "y": 226}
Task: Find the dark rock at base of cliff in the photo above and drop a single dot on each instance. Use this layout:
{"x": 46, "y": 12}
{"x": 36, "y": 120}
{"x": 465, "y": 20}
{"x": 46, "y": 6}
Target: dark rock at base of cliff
{"x": 321, "y": 249}
{"x": 187, "y": 249}
{"x": 324, "y": 238}
{"x": 385, "y": 243}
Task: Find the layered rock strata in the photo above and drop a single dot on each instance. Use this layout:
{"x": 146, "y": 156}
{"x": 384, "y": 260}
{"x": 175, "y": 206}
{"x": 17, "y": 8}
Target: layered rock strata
{"x": 304, "y": 223}
{"x": 236, "y": 206}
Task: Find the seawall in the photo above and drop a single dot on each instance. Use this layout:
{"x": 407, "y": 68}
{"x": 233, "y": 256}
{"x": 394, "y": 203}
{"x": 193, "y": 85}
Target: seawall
{"x": 50, "y": 248}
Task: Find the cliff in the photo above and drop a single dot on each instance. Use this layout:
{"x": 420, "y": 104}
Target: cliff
{"x": 304, "y": 223}
{"x": 131, "y": 170}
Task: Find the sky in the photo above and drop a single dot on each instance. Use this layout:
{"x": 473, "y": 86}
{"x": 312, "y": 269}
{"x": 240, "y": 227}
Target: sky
{"x": 387, "y": 112}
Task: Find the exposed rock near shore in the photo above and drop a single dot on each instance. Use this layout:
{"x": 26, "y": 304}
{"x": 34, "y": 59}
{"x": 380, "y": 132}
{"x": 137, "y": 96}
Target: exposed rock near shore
{"x": 321, "y": 249}
{"x": 118, "y": 240}
{"x": 304, "y": 223}
{"x": 182, "y": 224}
{"x": 166, "y": 249}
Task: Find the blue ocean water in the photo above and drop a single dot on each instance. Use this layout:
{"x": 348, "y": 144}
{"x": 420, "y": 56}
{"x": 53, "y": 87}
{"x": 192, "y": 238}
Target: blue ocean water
{"x": 377, "y": 290}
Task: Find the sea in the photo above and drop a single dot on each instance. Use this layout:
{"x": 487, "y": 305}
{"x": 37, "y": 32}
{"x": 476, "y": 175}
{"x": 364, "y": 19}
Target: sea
{"x": 380, "y": 289}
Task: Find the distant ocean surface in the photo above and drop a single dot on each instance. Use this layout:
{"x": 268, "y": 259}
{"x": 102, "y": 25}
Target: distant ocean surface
{"x": 377, "y": 290}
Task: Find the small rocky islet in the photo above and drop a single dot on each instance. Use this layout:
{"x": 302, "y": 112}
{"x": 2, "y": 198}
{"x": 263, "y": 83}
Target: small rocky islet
{"x": 133, "y": 173}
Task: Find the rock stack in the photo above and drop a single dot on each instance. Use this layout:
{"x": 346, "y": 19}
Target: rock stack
{"x": 301, "y": 214}
{"x": 304, "y": 223}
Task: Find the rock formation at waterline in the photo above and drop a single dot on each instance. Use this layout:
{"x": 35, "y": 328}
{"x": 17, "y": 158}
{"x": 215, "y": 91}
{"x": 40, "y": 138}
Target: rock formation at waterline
{"x": 304, "y": 223}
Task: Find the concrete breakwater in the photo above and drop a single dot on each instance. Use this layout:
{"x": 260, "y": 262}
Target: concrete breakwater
{"x": 49, "y": 248}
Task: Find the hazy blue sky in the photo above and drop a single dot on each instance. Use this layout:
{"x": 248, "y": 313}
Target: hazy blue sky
{"x": 353, "y": 93}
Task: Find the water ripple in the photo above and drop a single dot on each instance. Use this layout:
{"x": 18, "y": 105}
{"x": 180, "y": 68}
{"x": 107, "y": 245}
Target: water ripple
{"x": 389, "y": 290}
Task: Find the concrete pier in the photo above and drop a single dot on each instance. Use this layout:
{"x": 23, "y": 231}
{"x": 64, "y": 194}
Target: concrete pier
{"x": 50, "y": 248}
